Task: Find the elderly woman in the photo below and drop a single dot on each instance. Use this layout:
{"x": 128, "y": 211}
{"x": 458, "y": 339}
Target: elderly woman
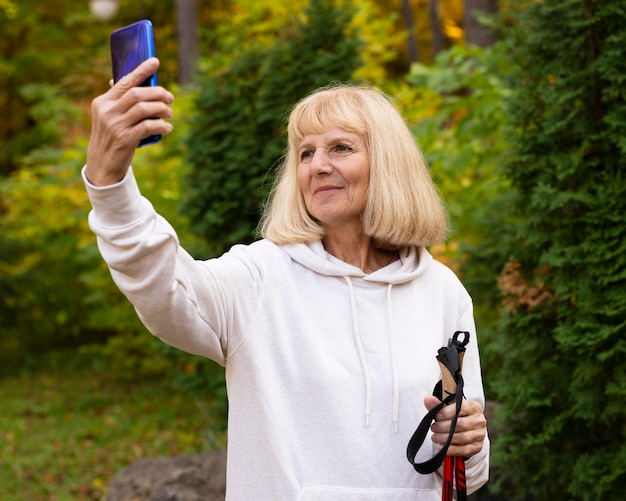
{"x": 328, "y": 327}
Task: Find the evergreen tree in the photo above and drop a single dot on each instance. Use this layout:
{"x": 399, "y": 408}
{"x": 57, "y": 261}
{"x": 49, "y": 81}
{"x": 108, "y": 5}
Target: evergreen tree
{"x": 562, "y": 378}
{"x": 237, "y": 135}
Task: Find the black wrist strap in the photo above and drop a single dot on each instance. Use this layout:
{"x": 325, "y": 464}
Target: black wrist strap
{"x": 419, "y": 436}
{"x": 448, "y": 390}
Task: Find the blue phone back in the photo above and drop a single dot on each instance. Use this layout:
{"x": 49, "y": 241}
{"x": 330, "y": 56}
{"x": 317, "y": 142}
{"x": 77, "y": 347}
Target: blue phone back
{"x": 130, "y": 46}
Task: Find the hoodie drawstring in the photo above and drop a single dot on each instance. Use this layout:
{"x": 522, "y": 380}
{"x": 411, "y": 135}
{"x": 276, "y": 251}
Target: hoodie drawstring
{"x": 359, "y": 345}
{"x": 394, "y": 368}
{"x": 364, "y": 366}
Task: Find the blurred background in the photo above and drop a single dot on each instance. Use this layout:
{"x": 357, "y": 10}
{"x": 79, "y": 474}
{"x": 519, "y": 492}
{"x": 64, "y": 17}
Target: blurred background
{"x": 520, "y": 109}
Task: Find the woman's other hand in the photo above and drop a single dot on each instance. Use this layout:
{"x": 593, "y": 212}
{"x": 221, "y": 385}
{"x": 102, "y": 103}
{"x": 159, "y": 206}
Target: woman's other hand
{"x": 122, "y": 117}
{"x": 470, "y": 431}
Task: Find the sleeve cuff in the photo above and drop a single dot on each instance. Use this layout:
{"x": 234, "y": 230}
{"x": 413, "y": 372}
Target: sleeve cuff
{"x": 115, "y": 205}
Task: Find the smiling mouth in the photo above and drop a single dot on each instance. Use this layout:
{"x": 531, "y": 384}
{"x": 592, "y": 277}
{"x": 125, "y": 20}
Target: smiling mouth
{"x": 323, "y": 189}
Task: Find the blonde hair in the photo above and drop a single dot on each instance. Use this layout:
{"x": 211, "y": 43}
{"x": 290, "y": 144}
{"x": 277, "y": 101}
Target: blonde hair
{"x": 403, "y": 205}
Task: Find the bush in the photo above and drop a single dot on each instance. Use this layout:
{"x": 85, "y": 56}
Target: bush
{"x": 456, "y": 107}
{"x": 237, "y": 134}
{"x": 55, "y": 290}
{"x": 45, "y": 253}
{"x": 562, "y": 378}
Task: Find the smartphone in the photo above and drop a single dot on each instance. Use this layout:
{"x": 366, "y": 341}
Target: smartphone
{"x": 130, "y": 46}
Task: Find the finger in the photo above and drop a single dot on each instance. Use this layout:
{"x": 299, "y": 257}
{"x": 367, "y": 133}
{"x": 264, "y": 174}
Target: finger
{"x": 468, "y": 437}
{"x": 152, "y": 126}
{"x": 130, "y": 132}
{"x": 148, "y": 128}
{"x": 145, "y": 102}
{"x": 135, "y": 77}
{"x": 463, "y": 423}
{"x": 138, "y": 104}
{"x": 464, "y": 443}
{"x": 469, "y": 429}
{"x": 470, "y": 407}
{"x": 145, "y": 110}
{"x": 466, "y": 451}
{"x": 430, "y": 402}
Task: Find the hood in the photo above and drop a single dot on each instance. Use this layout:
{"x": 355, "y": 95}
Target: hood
{"x": 413, "y": 262}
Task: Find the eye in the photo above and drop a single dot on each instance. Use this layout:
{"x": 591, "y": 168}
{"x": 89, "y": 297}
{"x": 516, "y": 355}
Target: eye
{"x": 306, "y": 155}
{"x": 341, "y": 149}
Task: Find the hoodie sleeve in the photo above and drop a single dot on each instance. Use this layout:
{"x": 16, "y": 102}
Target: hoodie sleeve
{"x": 180, "y": 300}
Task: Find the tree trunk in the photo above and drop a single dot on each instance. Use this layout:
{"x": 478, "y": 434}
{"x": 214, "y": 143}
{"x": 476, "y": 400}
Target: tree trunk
{"x": 476, "y": 33}
{"x": 407, "y": 14}
{"x": 435, "y": 27}
{"x": 187, "y": 37}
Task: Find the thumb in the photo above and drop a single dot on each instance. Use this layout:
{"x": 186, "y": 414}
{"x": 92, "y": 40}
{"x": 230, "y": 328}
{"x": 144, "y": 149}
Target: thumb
{"x": 137, "y": 76}
{"x": 431, "y": 401}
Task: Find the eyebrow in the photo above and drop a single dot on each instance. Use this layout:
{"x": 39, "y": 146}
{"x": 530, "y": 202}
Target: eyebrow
{"x": 355, "y": 139}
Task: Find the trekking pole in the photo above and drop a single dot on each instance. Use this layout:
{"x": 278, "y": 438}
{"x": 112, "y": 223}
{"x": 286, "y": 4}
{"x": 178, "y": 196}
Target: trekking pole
{"x": 453, "y": 466}
{"x": 448, "y": 390}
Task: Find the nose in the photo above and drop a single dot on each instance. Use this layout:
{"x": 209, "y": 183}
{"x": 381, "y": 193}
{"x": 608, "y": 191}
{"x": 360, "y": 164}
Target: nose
{"x": 320, "y": 163}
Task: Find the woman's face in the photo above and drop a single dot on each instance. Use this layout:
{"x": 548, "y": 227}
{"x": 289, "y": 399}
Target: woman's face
{"x": 333, "y": 175}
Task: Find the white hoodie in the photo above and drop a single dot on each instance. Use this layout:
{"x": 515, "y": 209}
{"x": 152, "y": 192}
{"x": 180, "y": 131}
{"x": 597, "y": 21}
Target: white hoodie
{"x": 326, "y": 366}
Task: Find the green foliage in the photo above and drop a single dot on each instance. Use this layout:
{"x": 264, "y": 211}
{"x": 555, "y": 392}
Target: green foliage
{"x": 58, "y": 47}
{"x": 27, "y": 27}
{"x": 41, "y": 294}
{"x": 238, "y": 131}
{"x": 54, "y": 284}
{"x": 130, "y": 356}
{"x": 563, "y": 351}
{"x": 456, "y": 107}
{"x": 68, "y": 429}
{"x": 55, "y": 289}
{"x": 201, "y": 378}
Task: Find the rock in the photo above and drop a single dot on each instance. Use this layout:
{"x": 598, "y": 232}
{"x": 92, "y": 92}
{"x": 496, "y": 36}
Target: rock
{"x": 201, "y": 477}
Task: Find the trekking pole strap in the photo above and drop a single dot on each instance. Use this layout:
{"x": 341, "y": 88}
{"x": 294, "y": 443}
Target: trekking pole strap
{"x": 421, "y": 432}
{"x": 448, "y": 390}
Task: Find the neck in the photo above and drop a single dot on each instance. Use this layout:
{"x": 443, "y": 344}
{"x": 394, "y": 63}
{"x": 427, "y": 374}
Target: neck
{"x": 358, "y": 250}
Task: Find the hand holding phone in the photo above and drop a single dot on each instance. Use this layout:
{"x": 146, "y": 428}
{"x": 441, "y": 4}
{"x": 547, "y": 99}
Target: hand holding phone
{"x": 130, "y": 46}
{"x": 120, "y": 118}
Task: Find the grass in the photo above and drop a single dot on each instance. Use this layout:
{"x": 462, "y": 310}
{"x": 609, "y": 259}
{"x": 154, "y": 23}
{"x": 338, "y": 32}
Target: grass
{"x": 66, "y": 431}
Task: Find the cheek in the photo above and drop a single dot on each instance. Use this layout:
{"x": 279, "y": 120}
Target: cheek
{"x": 302, "y": 179}
{"x": 302, "y": 182}
{"x": 363, "y": 184}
